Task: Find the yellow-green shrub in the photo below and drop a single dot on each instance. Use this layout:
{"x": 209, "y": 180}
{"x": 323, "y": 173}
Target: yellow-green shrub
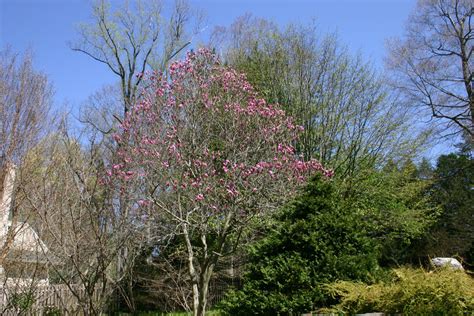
{"x": 411, "y": 292}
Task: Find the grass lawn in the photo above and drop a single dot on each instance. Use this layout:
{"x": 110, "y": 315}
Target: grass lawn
{"x": 209, "y": 313}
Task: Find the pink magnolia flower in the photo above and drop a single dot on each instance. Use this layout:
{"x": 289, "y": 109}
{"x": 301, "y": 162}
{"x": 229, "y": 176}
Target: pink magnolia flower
{"x": 143, "y": 203}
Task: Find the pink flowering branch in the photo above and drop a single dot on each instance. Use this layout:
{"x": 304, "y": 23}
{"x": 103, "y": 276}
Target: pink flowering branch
{"x": 208, "y": 153}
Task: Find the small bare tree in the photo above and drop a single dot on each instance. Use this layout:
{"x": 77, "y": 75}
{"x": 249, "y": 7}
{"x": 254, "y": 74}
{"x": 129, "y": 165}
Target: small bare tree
{"x": 25, "y": 98}
{"x": 433, "y": 64}
{"x": 74, "y": 214}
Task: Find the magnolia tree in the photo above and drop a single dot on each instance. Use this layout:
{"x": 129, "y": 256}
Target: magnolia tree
{"x": 205, "y": 156}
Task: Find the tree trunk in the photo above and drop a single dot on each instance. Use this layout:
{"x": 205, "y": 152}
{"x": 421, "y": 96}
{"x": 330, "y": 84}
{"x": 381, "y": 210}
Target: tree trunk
{"x": 204, "y": 279}
{"x": 192, "y": 269}
{"x": 200, "y": 280}
{"x": 195, "y": 299}
{"x": 467, "y": 76}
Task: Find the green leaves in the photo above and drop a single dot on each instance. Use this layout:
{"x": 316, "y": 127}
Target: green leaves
{"x": 394, "y": 206}
{"x": 334, "y": 232}
{"x": 351, "y": 117}
{"x": 313, "y": 241}
{"x": 410, "y": 292}
{"x": 452, "y": 190}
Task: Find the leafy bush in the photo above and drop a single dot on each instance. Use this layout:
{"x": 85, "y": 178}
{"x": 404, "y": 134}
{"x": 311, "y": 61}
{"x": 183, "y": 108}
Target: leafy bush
{"x": 22, "y": 301}
{"x": 312, "y": 242}
{"x": 452, "y": 189}
{"x": 395, "y": 208}
{"x": 411, "y": 292}
{"x": 52, "y": 311}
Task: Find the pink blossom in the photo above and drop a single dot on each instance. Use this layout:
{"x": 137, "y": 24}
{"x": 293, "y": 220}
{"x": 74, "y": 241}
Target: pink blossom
{"x": 202, "y": 130}
{"x": 143, "y": 203}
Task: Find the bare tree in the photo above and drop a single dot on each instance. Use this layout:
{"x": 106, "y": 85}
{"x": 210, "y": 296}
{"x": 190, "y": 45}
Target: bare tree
{"x": 98, "y": 111}
{"x": 132, "y": 38}
{"x": 433, "y": 64}
{"x": 100, "y": 124}
{"x": 74, "y": 214}
{"x": 25, "y": 99}
{"x": 25, "y": 96}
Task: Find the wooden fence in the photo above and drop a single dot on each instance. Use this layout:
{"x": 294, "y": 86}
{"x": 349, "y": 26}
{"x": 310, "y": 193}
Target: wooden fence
{"x": 59, "y": 299}
{"x": 42, "y": 300}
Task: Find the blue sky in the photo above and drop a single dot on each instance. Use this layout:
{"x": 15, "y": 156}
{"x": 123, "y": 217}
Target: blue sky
{"x": 46, "y": 26}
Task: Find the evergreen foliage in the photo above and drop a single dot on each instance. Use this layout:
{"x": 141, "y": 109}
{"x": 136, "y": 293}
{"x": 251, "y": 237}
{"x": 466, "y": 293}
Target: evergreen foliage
{"x": 314, "y": 241}
{"x": 410, "y": 292}
{"x": 453, "y": 191}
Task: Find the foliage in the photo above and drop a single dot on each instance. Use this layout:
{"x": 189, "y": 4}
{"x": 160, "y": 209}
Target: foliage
{"x": 52, "y": 311}
{"x": 394, "y": 206}
{"x": 22, "y": 301}
{"x": 452, "y": 190}
{"x": 150, "y": 313}
{"x": 351, "y": 118}
{"x": 411, "y": 292}
{"x": 330, "y": 234}
{"x": 315, "y": 240}
{"x": 160, "y": 281}
{"x": 130, "y": 38}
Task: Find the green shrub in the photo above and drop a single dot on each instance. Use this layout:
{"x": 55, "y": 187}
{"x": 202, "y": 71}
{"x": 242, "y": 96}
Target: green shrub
{"x": 22, "y": 301}
{"x": 312, "y": 242}
{"x": 52, "y": 311}
{"x": 411, "y": 292}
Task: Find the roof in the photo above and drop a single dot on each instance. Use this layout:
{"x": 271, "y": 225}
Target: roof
{"x": 27, "y": 246}
{"x": 25, "y": 237}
